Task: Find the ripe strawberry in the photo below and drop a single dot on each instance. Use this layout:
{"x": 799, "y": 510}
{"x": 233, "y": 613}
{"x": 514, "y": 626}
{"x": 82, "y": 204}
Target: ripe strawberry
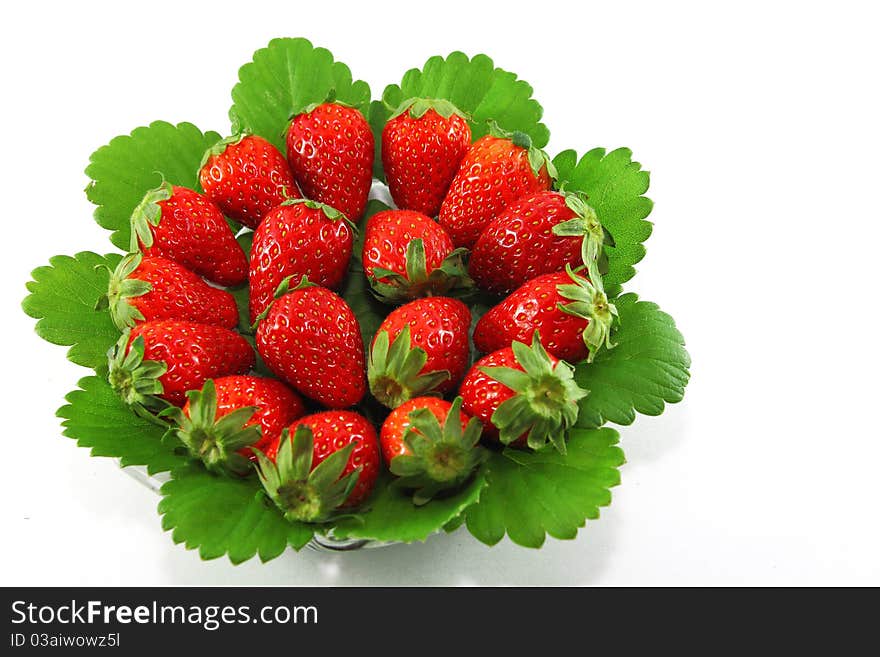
{"x": 330, "y": 150}
{"x": 331, "y": 461}
{"x": 148, "y": 289}
{"x": 407, "y": 255}
{"x": 220, "y": 423}
{"x": 301, "y": 239}
{"x": 246, "y": 176}
{"x": 423, "y": 143}
{"x": 431, "y": 445}
{"x": 420, "y": 348}
{"x": 539, "y": 234}
{"x": 164, "y": 359}
{"x": 497, "y": 170}
{"x": 572, "y": 314}
{"x": 523, "y": 396}
{"x": 310, "y": 338}
{"x": 182, "y": 225}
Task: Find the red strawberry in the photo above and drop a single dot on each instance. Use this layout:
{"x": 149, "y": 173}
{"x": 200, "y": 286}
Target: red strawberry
{"x": 166, "y": 358}
{"x": 423, "y": 143}
{"x": 496, "y": 171}
{"x": 331, "y": 461}
{"x": 539, "y": 234}
{"x": 407, "y": 255}
{"x": 148, "y": 289}
{"x": 182, "y": 225}
{"x": 330, "y": 150}
{"x": 300, "y": 239}
{"x": 431, "y": 445}
{"x": 311, "y": 339}
{"x": 523, "y": 396}
{"x": 246, "y": 176}
{"x": 573, "y": 316}
{"x": 420, "y": 348}
{"x": 220, "y": 423}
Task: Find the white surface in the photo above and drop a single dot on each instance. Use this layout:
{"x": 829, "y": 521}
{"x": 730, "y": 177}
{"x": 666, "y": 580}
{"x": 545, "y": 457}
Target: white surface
{"x": 759, "y": 125}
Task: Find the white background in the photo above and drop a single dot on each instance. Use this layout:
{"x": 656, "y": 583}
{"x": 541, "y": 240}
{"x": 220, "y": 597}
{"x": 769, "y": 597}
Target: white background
{"x": 759, "y": 123}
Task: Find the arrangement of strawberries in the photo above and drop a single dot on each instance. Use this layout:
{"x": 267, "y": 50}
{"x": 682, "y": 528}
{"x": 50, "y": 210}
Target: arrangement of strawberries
{"x": 472, "y": 217}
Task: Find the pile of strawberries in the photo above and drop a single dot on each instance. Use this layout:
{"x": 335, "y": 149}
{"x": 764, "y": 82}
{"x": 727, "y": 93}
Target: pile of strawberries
{"x": 474, "y": 219}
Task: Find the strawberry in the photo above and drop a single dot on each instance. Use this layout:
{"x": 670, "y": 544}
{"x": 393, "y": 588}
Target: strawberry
{"x": 523, "y": 396}
{"x": 301, "y": 239}
{"x": 539, "y": 234}
{"x": 330, "y": 462}
{"x": 310, "y": 338}
{"x": 497, "y": 170}
{"x": 164, "y": 359}
{"x": 423, "y": 143}
{"x": 407, "y": 255}
{"x": 182, "y": 225}
{"x": 221, "y": 422}
{"x": 572, "y": 314}
{"x": 148, "y": 289}
{"x": 330, "y": 150}
{"x": 431, "y": 445}
{"x": 246, "y": 176}
{"x": 420, "y": 348}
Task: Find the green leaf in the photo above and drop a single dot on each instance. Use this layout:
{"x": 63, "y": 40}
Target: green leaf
{"x": 614, "y": 186}
{"x": 131, "y": 165}
{"x": 242, "y": 293}
{"x": 392, "y": 516}
{"x": 63, "y": 297}
{"x": 282, "y": 80}
{"x": 476, "y": 87}
{"x": 356, "y": 290}
{"x": 224, "y": 515}
{"x": 531, "y": 494}
{"x": 96, "y": 418}
{"x": 378, "y": 117}
{"x": 647, "y": 368}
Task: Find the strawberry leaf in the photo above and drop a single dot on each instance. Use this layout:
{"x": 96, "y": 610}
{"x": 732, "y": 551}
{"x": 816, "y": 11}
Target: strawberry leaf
{"x": 531, "y": 494}
{"x": 282, "y": 80}
{"x": 476, "y": 87}
{"x": 131, "y": 165}
{"x": 392, "y": 516}
{"x": 96, "y": 418}
{"x": 224, "y": 515}
{"x": 614, "y": 186}
{"x": 63, "y": 297}
{"x": 647, "y": 368}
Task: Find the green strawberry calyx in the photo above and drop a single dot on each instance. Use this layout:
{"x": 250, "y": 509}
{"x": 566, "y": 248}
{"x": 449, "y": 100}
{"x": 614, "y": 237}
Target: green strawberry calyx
{"x": 449, "y": 279}
{"x": 220, "y": 147}
{"x": 134, "y": 379}
{"x": 329, "y": 99}
{"x": 215, "y": 442}
{"x": 439, "y": 457}
{"x": 418, "y": 107}
{"x": 584, "y": 224}
{"x": 148, "y": 213}
{"x": 538, "y": 159}
{"x": 395, "y": 367}
{"x": 282, "y": 289}
{"x": 329, "y": 211}
{"x": 589, "y": 302}
{"x": 122, "y": 287}
{"x": 544, "y": 406}
{"x": 301, "y": 493}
